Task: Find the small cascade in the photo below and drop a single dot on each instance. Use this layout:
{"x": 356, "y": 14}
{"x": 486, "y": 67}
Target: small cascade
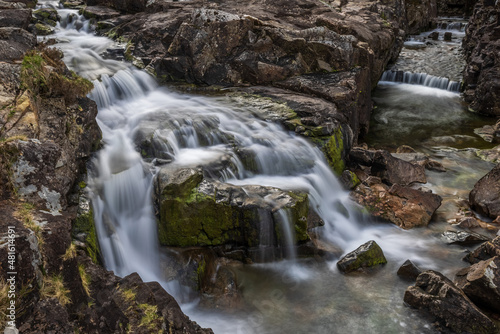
{"x": 452, "y": 26}
{"x": 288, "y": 234}
{"x": 422, "y": 79}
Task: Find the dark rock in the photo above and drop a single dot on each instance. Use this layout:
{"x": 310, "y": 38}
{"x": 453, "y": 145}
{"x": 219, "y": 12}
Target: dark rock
{"x": 349, "y": 180}
{"x": 434, "y": 35}
{"x": 485, "y": 196}
{"x": 396, "y": 171}
{"x": 481, "y": 76}
{"x": 436, "y": 294}
{"x": 485, "y": 251}
{"x": 481, "y": 283}
{"x": 403, "y": 206}
{"x": 367, "y": 255}
{"x": 361, "y": 156}
{"x": 468, "y": 222}
{"x": 47, "y": 15}
{"x": 463, "y": 238}
{"x": 15, "y": 18}
{"x": 405, "y": 149}
{"x": 99, "y": 13}
{"x": 48, "y": 317}
{"x": 409, "y": 270}
{"x": 127, "y": 6}
{"x": 435, "y": 166}
{"x": 14, "y": 42}
{"x": 447, "y": 36}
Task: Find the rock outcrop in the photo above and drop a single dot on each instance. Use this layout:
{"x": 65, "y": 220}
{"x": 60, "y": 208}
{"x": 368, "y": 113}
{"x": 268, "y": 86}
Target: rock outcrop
{"x": 194, "y": 211}
{"x": 482, "y": 46}
{"x": 47, "y": 133}
{"x": 437, "y": 295}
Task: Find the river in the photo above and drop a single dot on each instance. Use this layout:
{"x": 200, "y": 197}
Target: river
{"x": 297, "y": 295}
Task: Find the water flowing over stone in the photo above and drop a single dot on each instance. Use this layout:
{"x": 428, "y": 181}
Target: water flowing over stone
{"x": 422, "y": 79}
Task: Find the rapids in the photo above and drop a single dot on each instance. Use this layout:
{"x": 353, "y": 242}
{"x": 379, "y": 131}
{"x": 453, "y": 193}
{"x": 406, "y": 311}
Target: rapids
{"x": 296, "y": 296}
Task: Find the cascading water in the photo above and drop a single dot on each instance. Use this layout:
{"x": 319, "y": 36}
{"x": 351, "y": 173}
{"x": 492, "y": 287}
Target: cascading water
{"x": 194, "y": 131}
{"x": 422, "y": 79}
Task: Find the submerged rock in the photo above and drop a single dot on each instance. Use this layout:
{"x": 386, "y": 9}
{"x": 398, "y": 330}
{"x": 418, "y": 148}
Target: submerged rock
{"x": 485, "y": 196}
{"x": 409, "y": 270}
{"x": 436, "y": 294}
{"x": 481, "y": 283}
{"x": 367, "y": 255}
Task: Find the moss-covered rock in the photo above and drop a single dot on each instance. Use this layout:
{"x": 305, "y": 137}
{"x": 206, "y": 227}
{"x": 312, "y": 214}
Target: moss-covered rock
{"x": 43, "y": 29}
{"x": 199, "y": 212}
{"x": 367, "y": 255}
{"x": 84, "y": 226}
{"x": 333, "y": 150}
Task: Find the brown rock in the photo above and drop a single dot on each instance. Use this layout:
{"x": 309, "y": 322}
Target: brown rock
{"x": 396, "y": 171}
{"x": 403, "y": 206}
{"x": 485, "y": 196}
{"x": 485, "y": 251}
{"x": 481, "y": 283}
{"x": 437, "y": 295}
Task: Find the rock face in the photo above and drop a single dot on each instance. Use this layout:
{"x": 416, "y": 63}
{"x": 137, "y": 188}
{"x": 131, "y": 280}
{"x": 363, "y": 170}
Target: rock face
{"x": 403, "y": 206}
{"x": 201, "y": 212}
{"x": 47, "y": 133}
{"x": 481, "y": 283}
{"x": 438, "y": 295}
{"x": 485, "y": 196}
{"x": 481, "y": 45}
{"x": 367, "y": 255}
{"x": 302, "y": 46}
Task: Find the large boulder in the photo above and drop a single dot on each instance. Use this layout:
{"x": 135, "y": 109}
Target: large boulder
{"x": 437, "y": 295}
{"x": 14, "y": 42}
{"x": 367, "y": 255}
{"x": 194, "y": 211}
{"x": 403, "y": 206}
{"x": 481, "y": 283}
{"x": 409, "y": 270}
{"x": 485, "y": 196}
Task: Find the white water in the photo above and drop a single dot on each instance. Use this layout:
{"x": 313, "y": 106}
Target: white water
{"x": 198, "y": 131}
{"x": 422, "y": 79}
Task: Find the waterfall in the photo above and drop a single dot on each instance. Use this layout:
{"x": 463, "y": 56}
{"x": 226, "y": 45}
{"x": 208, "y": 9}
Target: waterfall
{"x": 422, "y": 79}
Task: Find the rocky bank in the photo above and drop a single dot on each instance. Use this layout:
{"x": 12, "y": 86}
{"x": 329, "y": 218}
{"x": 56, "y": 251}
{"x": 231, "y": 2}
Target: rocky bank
{"x": 48, "y": 132}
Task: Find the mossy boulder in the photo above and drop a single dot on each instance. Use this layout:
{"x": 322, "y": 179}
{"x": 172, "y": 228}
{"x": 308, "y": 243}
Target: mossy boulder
{"x": 47, "y": 15}
{"x": 194, "y": 211}
{"x": 43, "y": 29}
{"x": 367, "y": 255}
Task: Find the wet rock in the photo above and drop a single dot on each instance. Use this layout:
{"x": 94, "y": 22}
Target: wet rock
{"x": 409, "y": 270}
{"x": 47, "y": 15}
{"x": 403, "y": 206}
{"x": 481, "y": 283}
{"x": 391, "y": 168}
{"x": 485, "y": 251}
{"x": 447, "y": 36}
{"x": 463, "y": 238}
{"x": 436, "y": 294}
{"x": 396, "y": 171}
{"x": 481, "y": 47}
{"x": 434, "y": 35}
{"x": 349, "y": 180}
{"x": 485, "y": 196}
{"x": 367, "y": 255}
{"x": 197, "y": 212}
{"x": 468, "y": 222}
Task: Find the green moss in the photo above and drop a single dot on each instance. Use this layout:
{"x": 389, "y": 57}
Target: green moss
{"x": 84, "y": 223}
{"x": 150, "y": 319}
{"x": 43, "y": 29}
{"x": 333, "y": 150}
